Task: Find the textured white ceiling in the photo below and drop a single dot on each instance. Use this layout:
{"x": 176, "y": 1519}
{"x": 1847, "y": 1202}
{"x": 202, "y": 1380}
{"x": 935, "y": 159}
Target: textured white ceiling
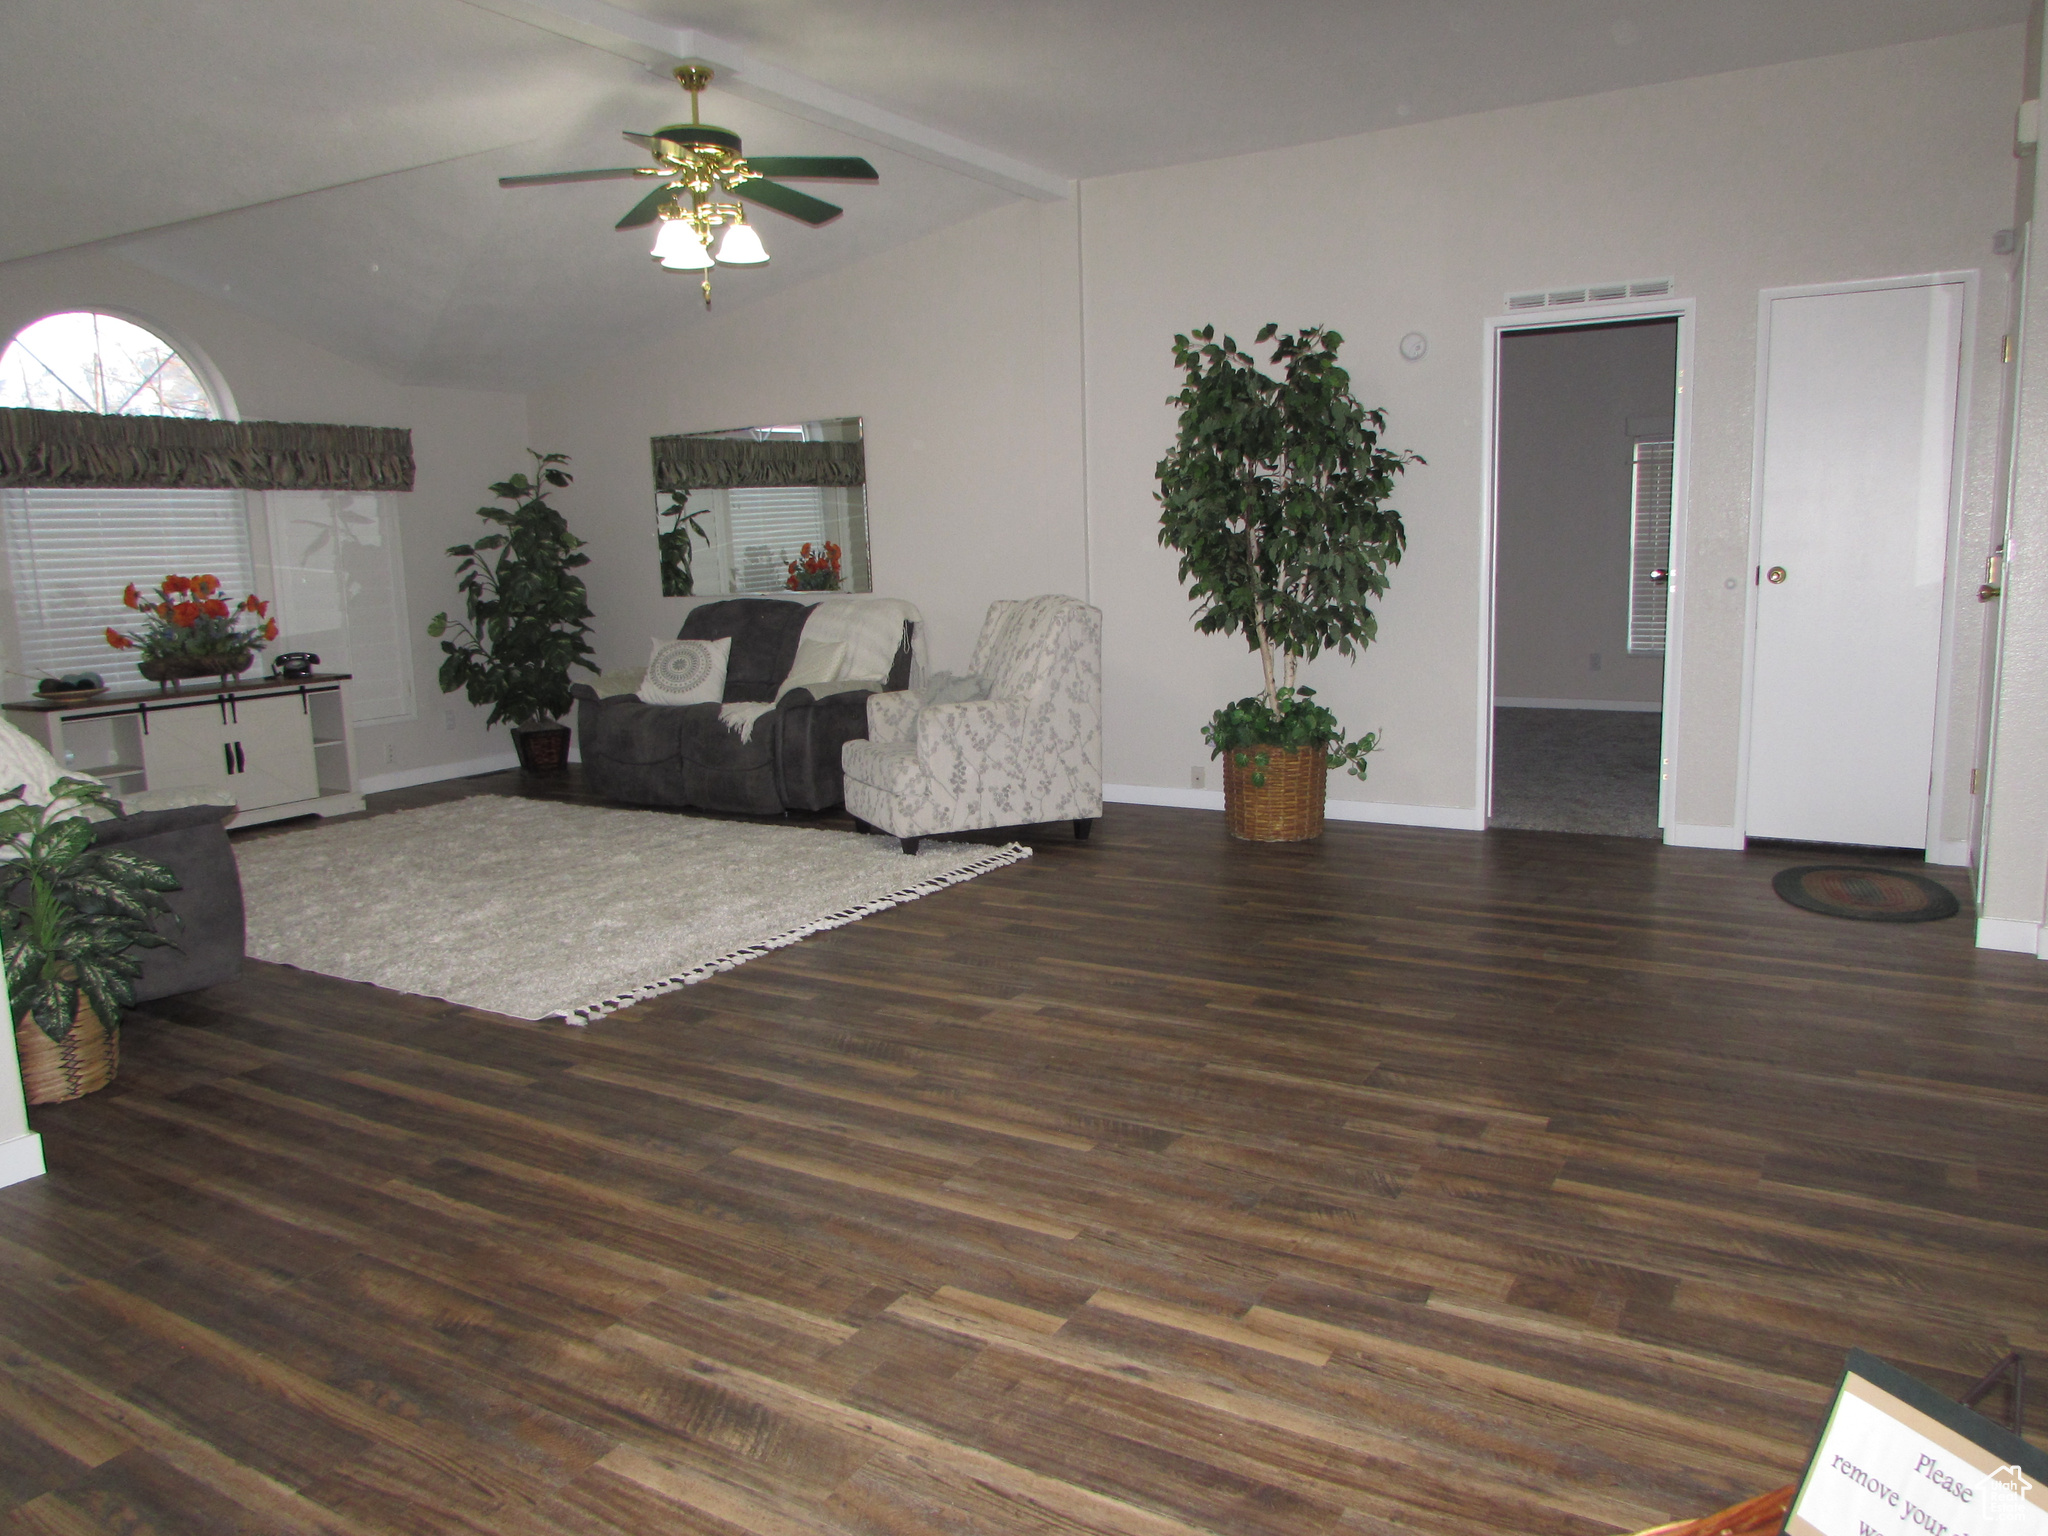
{"x": 1094, "y": 87}
{"x": 331, "y": 165}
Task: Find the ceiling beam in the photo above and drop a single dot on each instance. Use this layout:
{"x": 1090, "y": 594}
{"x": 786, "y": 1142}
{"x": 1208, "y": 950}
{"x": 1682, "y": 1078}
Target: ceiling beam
{"x": 660, "y": 47}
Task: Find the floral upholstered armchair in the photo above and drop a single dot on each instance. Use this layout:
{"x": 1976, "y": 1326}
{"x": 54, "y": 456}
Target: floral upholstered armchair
{"x": 1030, "y": 750}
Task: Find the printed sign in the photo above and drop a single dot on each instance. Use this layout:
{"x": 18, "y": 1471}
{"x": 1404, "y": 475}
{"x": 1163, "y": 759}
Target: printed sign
{"x": 1899, "y": 1459}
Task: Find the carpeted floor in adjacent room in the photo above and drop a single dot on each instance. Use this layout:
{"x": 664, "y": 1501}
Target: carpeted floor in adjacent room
{"x": 1576, "y": 770}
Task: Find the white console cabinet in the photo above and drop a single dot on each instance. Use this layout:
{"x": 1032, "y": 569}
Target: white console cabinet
{"x": 280, "y": 746}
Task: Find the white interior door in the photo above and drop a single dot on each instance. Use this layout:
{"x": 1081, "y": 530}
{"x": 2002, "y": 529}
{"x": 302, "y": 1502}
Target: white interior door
{"x": 1858, "y": 439}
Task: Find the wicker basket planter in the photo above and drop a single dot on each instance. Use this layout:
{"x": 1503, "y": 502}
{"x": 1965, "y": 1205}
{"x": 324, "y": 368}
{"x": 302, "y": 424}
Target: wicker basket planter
{"x": 1288, "y": 806}
{"x": 83, "y": 1062}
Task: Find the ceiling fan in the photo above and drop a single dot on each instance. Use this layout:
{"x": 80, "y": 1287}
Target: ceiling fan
{"x": 704, "y": 180}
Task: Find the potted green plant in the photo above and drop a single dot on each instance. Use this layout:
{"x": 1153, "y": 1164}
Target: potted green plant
{"x": 74, "y": 913}
{"x": 1273, "y": 495}
{"x": 673, "y": 544}
{"x": 528, "y": 618}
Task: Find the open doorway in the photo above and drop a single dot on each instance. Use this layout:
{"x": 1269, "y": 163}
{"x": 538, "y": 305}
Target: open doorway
{"x": 1583, "y": 499}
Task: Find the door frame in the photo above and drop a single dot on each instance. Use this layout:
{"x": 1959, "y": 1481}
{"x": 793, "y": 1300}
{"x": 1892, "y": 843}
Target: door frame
{"x": 1577, "y": 317}
{"x": 1991, "y": 669}
{"x": 1944, "y": 679}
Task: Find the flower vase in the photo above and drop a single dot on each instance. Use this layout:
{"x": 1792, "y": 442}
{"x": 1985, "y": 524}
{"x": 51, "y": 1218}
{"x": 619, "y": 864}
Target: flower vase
{"x": 166, "y": 671}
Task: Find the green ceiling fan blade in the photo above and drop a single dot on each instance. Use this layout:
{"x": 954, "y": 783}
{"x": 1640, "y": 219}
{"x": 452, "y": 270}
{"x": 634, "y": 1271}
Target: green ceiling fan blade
{"x": 646, "y": 211}
{"x": 798, "y": 205}
{"x": 621, "y": 173}
{"x": 813, "y": 167}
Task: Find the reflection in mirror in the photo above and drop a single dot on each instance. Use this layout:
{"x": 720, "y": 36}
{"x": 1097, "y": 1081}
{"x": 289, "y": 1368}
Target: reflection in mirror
{"x": 739, "y": 519}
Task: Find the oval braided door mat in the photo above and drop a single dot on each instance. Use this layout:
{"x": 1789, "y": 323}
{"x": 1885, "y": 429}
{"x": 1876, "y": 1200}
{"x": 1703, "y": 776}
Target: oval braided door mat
{"x": 1865, "y": 894}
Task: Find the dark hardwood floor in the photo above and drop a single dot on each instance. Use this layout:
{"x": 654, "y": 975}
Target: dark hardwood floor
{"x": 1401, "y": 1182}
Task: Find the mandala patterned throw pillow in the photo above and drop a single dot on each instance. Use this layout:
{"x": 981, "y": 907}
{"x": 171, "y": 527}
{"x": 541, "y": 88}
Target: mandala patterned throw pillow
{"x": 686, "y": 672}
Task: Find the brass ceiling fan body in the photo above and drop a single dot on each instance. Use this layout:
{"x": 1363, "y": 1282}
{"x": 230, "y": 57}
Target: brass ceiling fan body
{"x": 704, "y": 178}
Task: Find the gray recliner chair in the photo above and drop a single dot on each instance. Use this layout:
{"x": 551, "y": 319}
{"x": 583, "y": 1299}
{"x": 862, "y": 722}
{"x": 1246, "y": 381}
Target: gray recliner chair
{"x": 192, "y": 842}
{"x": 207, "y": 940}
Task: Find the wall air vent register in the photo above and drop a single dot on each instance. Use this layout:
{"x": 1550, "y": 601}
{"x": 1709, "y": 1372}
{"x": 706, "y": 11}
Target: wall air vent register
{"x": 1592, "y": 293}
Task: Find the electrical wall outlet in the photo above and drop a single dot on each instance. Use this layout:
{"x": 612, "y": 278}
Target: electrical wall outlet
{"x": 447, "y": 718}
{"x": 390, "y": 753}
{"x": 1197, "y": 776}
{"x": 1593, "y": 662}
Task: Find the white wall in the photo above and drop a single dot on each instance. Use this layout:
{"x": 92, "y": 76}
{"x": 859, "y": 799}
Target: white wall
{"x": 1872, "y": 164}
{"x": 21, "y": 1149}
{"x": 1564, "y": 496}
{"x": 959, "y": 352}
{"x": 462, "y": 441}
{"x": 1011, "y": 449}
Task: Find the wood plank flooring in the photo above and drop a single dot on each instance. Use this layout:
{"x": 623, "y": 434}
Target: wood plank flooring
{"x": 1405, "y": 1182}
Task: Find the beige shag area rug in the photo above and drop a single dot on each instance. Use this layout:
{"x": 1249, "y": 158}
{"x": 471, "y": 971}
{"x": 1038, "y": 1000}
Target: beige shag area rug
{"x": 530, "y": 908}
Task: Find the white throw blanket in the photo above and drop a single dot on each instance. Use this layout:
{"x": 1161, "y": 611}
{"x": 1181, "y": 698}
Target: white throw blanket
{"x": 868, "y": 631}
{"x": 741, "y": 719}
{"x": 871, "y": 629}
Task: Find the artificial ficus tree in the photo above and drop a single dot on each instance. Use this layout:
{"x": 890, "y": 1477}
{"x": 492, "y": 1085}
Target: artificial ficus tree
{"x": 1274, "y": 498}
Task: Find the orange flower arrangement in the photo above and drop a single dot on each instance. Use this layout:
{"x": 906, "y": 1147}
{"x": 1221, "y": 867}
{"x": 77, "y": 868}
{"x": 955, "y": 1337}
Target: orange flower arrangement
{"x": 815, "y": 571}
{"x": 189, "y": 621}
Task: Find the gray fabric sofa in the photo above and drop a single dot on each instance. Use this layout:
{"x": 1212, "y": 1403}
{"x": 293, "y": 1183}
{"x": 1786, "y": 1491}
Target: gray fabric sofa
{"x": 662, "y": 754}
{"x": 192, "y": 842}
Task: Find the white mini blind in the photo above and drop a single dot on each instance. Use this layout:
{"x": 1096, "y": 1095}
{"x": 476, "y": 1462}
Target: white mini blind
{"x": 1649, "y": 549}
{"x": 70, "y": 553}
{"x": 768, "y": 527}
{"x": 341, "y": 594}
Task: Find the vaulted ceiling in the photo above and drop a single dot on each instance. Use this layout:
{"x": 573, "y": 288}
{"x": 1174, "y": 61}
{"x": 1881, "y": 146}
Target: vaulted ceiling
{"x": 332, "y": 165}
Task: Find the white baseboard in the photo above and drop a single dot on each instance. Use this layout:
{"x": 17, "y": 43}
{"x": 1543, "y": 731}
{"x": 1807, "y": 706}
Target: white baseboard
{"x": 21, "y": 1158}
{"x": 1455, "y": 818}
{"x": 1384, "y": 813}
{"x": 1151, "y": 794}
{"x": 1628, "y": 704}
{"x": 1682, "y": 835}
{"x": 406, "y": 778}
{"x": 2012, "y": 934}
{"x": 1955, "y": 855}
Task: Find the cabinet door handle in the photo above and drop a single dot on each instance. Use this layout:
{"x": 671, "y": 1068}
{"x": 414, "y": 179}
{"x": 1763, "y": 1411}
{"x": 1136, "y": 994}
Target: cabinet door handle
{"x": 228, "y": 752}
{"x": 240, "y": 766}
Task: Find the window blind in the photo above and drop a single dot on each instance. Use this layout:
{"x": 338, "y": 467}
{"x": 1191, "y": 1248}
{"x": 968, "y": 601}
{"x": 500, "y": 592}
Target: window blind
{"x": 1649, "y": 549}
{"x": 768, "y": 526}
{"x": 71, "y": 552}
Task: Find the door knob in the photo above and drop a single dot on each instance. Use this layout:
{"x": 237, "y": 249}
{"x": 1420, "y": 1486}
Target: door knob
{"x": 1987, "y": 592}
{"x": 1775, "y": 575}
{"x": 1660, "y": 575}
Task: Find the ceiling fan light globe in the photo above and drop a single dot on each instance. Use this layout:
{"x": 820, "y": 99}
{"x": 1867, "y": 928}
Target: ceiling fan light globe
{"x": 741, "y": 247}
{"x": 676, "y": 244}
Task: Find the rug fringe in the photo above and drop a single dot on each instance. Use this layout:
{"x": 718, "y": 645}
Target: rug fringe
{"x": 1009, "y": 853}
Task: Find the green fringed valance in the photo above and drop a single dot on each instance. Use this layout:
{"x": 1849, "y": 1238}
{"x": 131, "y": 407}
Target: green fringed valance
{"x": 713, "y": 463}
{"x": 77, "y": 448}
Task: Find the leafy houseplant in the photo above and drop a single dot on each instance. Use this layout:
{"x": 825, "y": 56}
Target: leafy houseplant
{"x": 190, "y": 630}
{"x": 67, "y": 945}
{"x": 673, "y": 544}
{"x": 528, "y": 618}
{"x": 1273, "y": 496}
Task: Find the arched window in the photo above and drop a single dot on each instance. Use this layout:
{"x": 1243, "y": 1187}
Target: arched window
{"x": 69, "y": 553}
{"x": 84, "y": 361}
